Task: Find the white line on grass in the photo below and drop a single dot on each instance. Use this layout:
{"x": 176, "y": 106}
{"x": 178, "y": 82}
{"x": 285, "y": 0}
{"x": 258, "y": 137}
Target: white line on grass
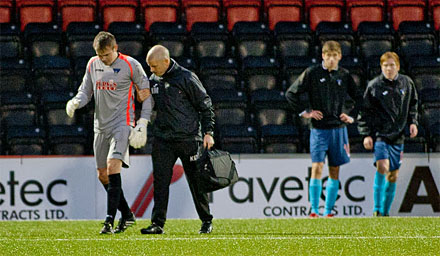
{"x": 223, "y": 238}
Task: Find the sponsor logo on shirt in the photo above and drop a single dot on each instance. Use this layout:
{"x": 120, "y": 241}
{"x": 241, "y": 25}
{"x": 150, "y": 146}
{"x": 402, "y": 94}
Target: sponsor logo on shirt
{"x": 99, "y": 70}
{"x": 339, "y": 82}
{"x": 322, "y": 80}
{"x": 385, "y": 93}
{"x": 104, "y": 85}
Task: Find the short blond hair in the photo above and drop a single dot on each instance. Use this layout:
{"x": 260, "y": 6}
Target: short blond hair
{"x": 103, "y": 40}
{"x": 331, "y": 46}
{"x": 390, "y": 55}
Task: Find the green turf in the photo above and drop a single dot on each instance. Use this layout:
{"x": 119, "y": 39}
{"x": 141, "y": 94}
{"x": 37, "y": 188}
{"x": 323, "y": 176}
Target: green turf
{"x": 295, "y": 236}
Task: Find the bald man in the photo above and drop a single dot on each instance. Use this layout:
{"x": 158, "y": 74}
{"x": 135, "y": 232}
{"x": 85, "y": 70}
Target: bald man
{"x": 183, "y": 126}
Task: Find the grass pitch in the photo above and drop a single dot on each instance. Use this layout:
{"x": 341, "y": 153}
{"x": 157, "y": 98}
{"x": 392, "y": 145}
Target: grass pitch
{"x": 295, "y": 236}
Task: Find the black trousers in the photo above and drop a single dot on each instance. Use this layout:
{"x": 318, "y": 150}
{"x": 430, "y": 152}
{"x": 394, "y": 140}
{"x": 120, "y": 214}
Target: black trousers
{"x": 165, "y": 155}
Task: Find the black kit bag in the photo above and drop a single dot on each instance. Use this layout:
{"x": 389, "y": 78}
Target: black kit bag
{"x": 217, "y": 170}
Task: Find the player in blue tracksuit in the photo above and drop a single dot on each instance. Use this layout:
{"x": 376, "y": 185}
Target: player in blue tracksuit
{"x": 327, "y": 86}
{"x": 390, "y": 104}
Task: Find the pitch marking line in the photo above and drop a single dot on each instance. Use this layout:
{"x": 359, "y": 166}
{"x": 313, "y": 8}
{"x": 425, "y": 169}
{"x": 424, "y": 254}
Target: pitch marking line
{"x": 224, "y": 238}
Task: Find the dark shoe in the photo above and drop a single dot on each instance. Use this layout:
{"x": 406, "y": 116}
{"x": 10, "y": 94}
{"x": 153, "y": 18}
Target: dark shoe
{"x": 125, "y": 223}
{"x": 107, "y": 229}
{"x": 152, "y": 230}
{"x": 386, "y": 215}
{"x": 206, "y": 227}
{"x": 377, "y": 214}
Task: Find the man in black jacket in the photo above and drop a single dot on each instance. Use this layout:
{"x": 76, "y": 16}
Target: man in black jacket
{"x": 184, "y": 120}
{"x": 390, "y": 104}
{"x": 326, "y": 86}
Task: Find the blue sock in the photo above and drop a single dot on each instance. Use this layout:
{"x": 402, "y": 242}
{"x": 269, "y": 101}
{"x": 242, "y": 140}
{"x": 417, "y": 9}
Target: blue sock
{"x": 378, "y": 190}
{"x": 332, "y": 193}
{"x": 390, "y": 191}
{"x": 315, "y": 189}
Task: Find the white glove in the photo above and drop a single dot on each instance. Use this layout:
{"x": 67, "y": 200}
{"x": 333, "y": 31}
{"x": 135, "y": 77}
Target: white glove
{"x": 71, "y": 106}
{"x": 138, "y": 135}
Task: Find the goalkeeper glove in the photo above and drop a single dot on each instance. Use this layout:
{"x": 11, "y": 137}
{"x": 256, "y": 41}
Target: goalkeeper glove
{"x": 138, "y": 135}
{"x": 71, "y": 106}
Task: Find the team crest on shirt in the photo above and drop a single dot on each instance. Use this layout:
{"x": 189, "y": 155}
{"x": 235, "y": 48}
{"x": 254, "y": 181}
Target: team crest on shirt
{"x": 166, "y": 85}
{"x": 116, "y": 70}
{"x": 154, "y": 89}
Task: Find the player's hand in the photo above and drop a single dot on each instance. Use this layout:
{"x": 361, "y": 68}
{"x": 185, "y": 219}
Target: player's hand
{"x": 315, "y": 114}
{"x": 143, "y": 94}
{"x": 413, "y": 131}
{"x": 368, "y": 143}
{"x": 346, "y": 118}
{"x": 138, "y": 135}
{"x": 208, "y": 141}
{"x": 71, "y": 106}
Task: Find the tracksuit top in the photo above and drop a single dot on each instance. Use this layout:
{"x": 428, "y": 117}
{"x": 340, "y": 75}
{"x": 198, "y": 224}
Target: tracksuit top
{"x": 389, "y": 106}
{"x": 113, "y": 89}
{"x": 327, "y": 92}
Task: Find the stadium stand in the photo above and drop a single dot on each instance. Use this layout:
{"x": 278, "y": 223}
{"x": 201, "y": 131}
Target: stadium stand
{"x": 210, "y": 39}
{"x": 406, "y": 10}
{"x": 365, "y": 10}
{"x": 159, "y": 11}
{"x": 219, "y": 74}
{"x": 14, "y": 74}
{"x": 25, "y": 140}
{"x": 283, "y": 11}
{"x": 68, "y": 10}
{"x": 241, "y": 10}
{"x": 131, "y": 38}
{"x": 171, "y": 35}
{"x": 200, "y": 11}
{"x": 375, "y": 38}
{"x": 6, "y": 11}
{"x": 36, "y": 11}
{"x": 323, "y": 10}
{"x": 118, "y": 10}
{"x": 252, "y": 39}
{"x": 43, "y": 39}
{"x": 10, "y": 42}
{"x": 337, "y": 31}
{"x": 79, "y": 37}
{"x": 293, "y": 39}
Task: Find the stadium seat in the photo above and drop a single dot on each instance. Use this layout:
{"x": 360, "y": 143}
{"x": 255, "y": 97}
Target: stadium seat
{"x": 337, "y": 31}
{"x": 52, "y": 73}
{"x": 417, "y": 144}
{"x": 44, "y": 39}
{"x": 416, "y": 38}
{"x": 425, "y": 71}
{"x": 15, "y": 75}
{"x": 80, "y": 37}
{"x": 355, "y": 139}
{"x": 6, "y": 11}
{"x": 294, "y": 66}
{"x": 79, "y": 69}
{"x": 219, "y": 74}
{"x": 434, "y": 8}
{"x": 375, "y": 38}
{"x": 118, "y": 10}
{"x": 252, "y": 39}
{"x": 280, "y": 139}
{"x": 356, "y": 68}
{"x": 171, "y": 35}
{"x": 54, "y": 108}
{"x": 293, "y": 39}
{"x": 67, "y": 140}
{"x": 159, "y": 11}
{"x": 323, "y": 10}
{"x": 241, "y": 10}
{"x": 230, "y": 107}
{"x": 406, "y": 10}
{"x": 365, "y": 10}
{"x": 210, "y": 39}
{"x": 130, "y": 38}
{"x": 19, "y": 108}
{"x": 10, "y": 41}
{"x": 69, "y": 10}
{"x": 187, "y": 62}
{"x": 238, "y": 139}
{"x": 260, "y": 73}
{"x": 35, "y": 11}
{"x": 200, "y": 11}
{"x": 270, "y": 107}
{"x": 283, "y": 10}
{"x": 25, "y": 140}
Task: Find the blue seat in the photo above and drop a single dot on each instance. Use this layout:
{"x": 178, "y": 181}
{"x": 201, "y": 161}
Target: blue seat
{"x": 375, "y": 38}
{"x": 54, "y": 108}
{"x": 238, "y": 138}
{"x": 25, "y": 140}
{"x": 130, "y": 38}
{"x": 416, "y": 38}
{"x": 67, "y": 140}
{"x": 293, "y": 39}
{"x": 10, "y": 42}
{"x": 15, "y": 75}
{"x": 230, "y": 107}
{"x": 337, "y": 31}
{"x": 219, "y": 73}
{"x": 280, "y": 139}
{"x": 252, "y": 39}
{"x": 171, "y": 35}
{"x": 80, "y": 37}
{"x": 18, "y": 108}
{"x": 260, "y": 72}
{"x": 52, "y": 73}
{"x": 210, "y": 39}
{"x": 44, "y": 39}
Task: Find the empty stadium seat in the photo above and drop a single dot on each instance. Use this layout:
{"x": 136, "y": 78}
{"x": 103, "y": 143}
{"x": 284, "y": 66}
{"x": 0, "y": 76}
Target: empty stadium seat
{"x": 25, "y": 140}
{"x": 323, "y": 10}
{"x": 425, "y": 71}
{"x": 54, "y": 108}
{"x": 210, "y": 39}
{"x": 283, "y": 10}
{"x": 171, "y": 35}
{"x": 159, "y": 11}
{"x": 10, "y": 41}
{"x": 118, "y": 10}
{"x": 200, "y": 11}
{"x": 241, "y": 10}
{"x": 44, "y": 39}
{"x": 230, "y": 107}
{"x": 355, "y": 139}
{"x": 375, "y": 38}
{"x": 406, "y": 10}
{"x": 294, "y": 66}
{"x": 67, "y": 140}
{"x": 434, "y": 9}
{"x": 6, "y": 11}
{"x": 270, "y": 107}
{"x": 19, "y": 108}
{"x": 365, "y": 10}
{"x": 260, "y": 73}
{"x": 219, "y": 74}
{"x": 238, "y": 139}
{"x": 187, "y": 62}
{"x": 337, "y": 31}
{"x": 416, "y": 38}
{"x": 357, "y": 70}
{"x": 280, "y": 139}
{"x": 129, "y": 37}
{"x": 417, "y": 144}
{"x": 35, "y": 11}
{"x": 252, "y": 39}
{"x": 80, "y": 36}
{"x": 15, "y": 74}
{"x": 293, "y": 39}
{"x": 51, "y": 73}
{"x": 69, "y": 11}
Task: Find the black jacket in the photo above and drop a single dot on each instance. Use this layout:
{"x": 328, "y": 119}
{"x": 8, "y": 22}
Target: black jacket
{"x": 327, "y": 92}
{"x": 389, "y": 106}
{"x": 182, "y": 105}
